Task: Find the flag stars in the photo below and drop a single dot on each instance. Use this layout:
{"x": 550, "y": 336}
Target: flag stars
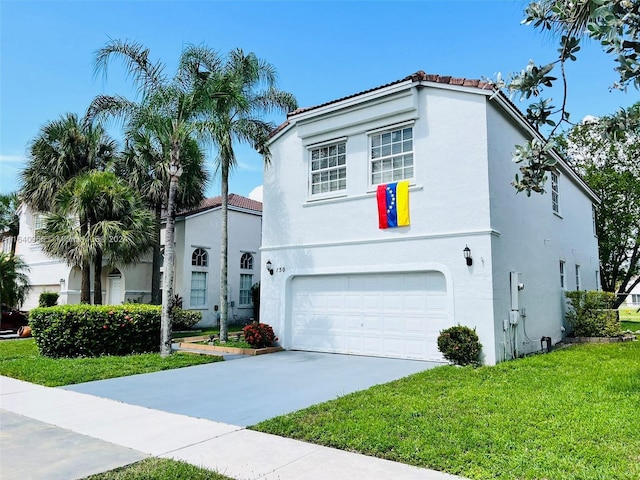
{"x": 392, "y": 196}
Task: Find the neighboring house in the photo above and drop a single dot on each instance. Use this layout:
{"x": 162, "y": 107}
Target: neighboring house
{"x": 633, "y": 299}
{"x": 337, "y": 282}
{"x": 197, "y": 278}
{"x": 47, "y": 274}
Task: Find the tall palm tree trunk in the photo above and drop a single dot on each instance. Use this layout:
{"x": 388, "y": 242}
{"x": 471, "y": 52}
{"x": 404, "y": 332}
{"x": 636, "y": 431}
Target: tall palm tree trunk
{"x": 85, "y": 285}
{"x": 157, "y": 259}
{"x": 224, "y": 246}
{"x": 169, "y": 264}
{"x": 97, "y": 278}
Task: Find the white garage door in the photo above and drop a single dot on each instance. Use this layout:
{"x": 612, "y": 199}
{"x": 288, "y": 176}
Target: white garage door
{"x": 388, "y": 315}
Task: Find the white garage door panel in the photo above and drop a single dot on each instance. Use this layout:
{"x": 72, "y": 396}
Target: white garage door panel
{"x": 390, "y": 315}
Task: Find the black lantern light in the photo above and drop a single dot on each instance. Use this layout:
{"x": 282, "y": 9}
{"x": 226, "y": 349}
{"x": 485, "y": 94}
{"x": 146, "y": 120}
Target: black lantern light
{"x": 269, "y": 267}
{"x": 467, "y": 255}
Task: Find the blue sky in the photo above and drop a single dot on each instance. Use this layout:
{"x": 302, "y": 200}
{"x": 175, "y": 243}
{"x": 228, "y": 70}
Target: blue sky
{"x": 322, "y": 50}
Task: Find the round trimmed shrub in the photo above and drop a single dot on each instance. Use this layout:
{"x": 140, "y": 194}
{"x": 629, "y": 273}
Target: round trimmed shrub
{"x": 460, "y": 345}
{"x": 259, "y": 335}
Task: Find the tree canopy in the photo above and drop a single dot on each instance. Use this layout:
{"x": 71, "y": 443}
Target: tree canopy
{"x": 615, "y": 24}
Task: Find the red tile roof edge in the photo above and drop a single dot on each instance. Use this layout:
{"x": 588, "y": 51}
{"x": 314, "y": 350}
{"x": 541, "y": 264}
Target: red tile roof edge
{"x": 235, "y": 200}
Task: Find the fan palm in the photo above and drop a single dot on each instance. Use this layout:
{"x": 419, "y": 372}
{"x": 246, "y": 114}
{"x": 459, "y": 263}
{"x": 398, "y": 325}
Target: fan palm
{"x": 145, "y": 165}
{"x": 9, "y": 219}
{"x": 118, "y": 228}
{"x": 175, "y": 110}
{"x": 14, "y": 282}
{"x": 63, "y": 149}
{"x": 237, "y": 117}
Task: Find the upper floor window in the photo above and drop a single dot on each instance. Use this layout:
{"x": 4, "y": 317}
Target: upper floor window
{"x": 200, "y": 258}
{"x": 246, "y": 261}
{"x": 391, "y": 156}
{"x": 329, "y": 168}
{"x": 594, "y": 218}
{"x": 562, "y": 280}
{"x": 554, "y": 193}
{"x": 38, "y": 221}
{"x": 578, "y": 277}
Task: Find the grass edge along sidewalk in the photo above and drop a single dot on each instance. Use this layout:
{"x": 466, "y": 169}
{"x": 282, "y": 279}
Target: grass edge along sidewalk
{"x": 569, "y": 414}
{"x": 20, "y": 359}
{"x": 158, "y": 469}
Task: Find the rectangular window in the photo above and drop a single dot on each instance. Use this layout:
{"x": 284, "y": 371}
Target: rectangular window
{"x": 245, "y": 289}
{"x": 594, "y": 218}
{"x": 329, "y": 168}
{"x": 38, "y": 221}
{"x": 635, "y": 298}
{"x": 562, "y": 281}
{"x": 198, "y": 289}
{"x": 391, "y": 156}
{"x": 577, "y": 277}
{"x": 554, "y": 193}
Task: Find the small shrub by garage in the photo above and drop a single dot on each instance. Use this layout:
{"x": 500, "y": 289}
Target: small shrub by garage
{"x": 460, "y": 345}
{"x": 48, "y": 299}
{"x": 96, "y": 330}
{"x": 184, "y": 319}
{"x": 259, "y": 335}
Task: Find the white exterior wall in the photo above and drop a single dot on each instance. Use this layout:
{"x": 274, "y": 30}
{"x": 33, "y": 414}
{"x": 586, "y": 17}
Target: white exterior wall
{"x": 202, "y": 230}
{"x": 531, "y": 240}
{"x": 449, "y": 206}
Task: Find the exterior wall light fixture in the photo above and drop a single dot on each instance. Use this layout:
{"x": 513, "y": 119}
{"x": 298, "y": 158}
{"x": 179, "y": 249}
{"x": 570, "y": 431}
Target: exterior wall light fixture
{"x": 467, "y": 255}
{"x": 269, "y": 267}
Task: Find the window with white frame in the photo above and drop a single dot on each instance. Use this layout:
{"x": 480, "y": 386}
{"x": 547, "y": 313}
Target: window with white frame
{"x": 246, "y": 261}
{"x": 554, "y": 193}
{"x": 246, "y": 281}
{"x": 594, "y": 218}
{"x": 635, "y": 298}
{"x": 38, "y": 221}
{"x": 562, "y": 278}
{"x": 577, "y": 277}
{"x": 328, "y": 168}
{"x": 198, "y": 289}
{"x": 391, "y": 156}
{"x": 199, "y": 258}
{"x": 597, "y": 280}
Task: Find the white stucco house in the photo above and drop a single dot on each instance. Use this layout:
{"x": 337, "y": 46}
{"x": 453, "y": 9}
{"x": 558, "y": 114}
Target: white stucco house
{"x": 338, "y": 282}
{"x": 633, "y": 299}
{"x": 197, "y": 277}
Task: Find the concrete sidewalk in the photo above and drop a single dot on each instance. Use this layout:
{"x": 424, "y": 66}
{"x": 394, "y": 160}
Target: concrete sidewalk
{"x": 113, "y": 434}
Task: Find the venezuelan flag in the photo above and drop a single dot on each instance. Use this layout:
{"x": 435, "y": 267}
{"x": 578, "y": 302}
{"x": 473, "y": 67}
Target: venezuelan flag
{"x": 393, "y": 204}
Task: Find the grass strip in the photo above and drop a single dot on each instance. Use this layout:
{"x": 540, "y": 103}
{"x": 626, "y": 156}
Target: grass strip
{"x": 158, "y": 469}
{"x": 569, "y": 414}
{"x": 20, "y": 359}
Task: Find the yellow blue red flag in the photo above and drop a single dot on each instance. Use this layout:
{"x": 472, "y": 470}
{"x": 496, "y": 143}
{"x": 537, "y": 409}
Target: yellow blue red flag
{"x": 393, "y": 204}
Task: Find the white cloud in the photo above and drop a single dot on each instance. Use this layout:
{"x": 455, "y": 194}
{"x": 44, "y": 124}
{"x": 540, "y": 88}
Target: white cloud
{"x": 256, "y": 194}
{"x": 12, "y": 159}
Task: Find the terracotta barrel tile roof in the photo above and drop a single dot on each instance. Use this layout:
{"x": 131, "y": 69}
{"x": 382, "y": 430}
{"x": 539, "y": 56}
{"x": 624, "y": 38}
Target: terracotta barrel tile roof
{"x": 235, "y": 200}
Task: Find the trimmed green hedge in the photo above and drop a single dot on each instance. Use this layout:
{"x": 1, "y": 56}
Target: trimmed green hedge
{"x": 96, "y": 330}
{"x": 184, "y": 319}
{"x": 591, "y": 314}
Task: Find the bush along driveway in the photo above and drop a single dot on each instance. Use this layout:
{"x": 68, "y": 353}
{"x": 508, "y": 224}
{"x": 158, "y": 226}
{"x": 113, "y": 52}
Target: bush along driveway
{"x": 573, "y": 413}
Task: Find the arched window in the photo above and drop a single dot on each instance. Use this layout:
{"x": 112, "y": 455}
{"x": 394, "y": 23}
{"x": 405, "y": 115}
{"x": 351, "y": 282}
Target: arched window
{"x": 199, "y": 258}
{"x": 246, "y": 261}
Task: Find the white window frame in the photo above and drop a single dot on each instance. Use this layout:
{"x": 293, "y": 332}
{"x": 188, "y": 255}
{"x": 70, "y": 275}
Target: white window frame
{"x": 555, "y": 192}
{"x": 38, "y": 222}
{"x": 563, "y": 279}
{"x": 199, "y": 257}
{"x": 635, "y": 298}
{"x": 244, "y": 294}
{"x": 594, "y": 213}
{"x": 338, "y": 169}
{"x": 394, "y": 172}
{"x": 246, "y": 261}
{"x": 578, "y": 282}
{"x": 193, "y": 304}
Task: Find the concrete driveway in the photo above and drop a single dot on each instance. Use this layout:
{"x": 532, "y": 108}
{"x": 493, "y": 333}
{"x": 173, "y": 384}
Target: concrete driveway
{"x": 249, "y": 390}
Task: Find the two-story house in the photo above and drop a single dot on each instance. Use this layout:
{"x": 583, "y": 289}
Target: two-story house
{"x": 340, "y": 276}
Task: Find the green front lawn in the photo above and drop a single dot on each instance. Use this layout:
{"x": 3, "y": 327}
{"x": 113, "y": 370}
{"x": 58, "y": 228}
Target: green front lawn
{"x": 629, "y": 319}
{"x": 20, "y": 359}
{"x": 159, "y": 469}
{"x": 565, "y": 415}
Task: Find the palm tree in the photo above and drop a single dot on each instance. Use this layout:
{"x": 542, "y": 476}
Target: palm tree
{"x": 62, "y": 150}
{"x": 176, "y": 111}
{"x": 118, "y": 228}
{"x": 9, "y": 219}
{"x": 14, "y": 283}
{"x": 145, "y": 165}
{"x": 237, "y": 117}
